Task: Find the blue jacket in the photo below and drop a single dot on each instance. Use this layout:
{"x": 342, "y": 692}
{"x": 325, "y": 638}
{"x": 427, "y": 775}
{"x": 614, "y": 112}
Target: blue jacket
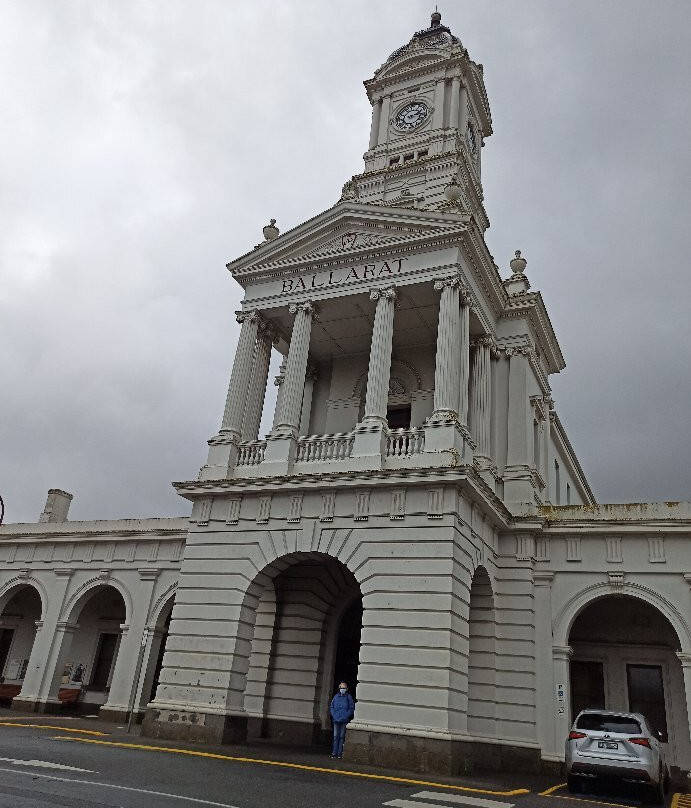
{"x": 342, "y": 708}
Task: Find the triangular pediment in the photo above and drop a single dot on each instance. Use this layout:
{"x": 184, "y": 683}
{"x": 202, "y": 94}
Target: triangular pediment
{"x": 346, "y": 230}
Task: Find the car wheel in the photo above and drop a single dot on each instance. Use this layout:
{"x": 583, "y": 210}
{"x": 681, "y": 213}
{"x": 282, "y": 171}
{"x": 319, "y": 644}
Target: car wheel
{"x": 573, "y": 784}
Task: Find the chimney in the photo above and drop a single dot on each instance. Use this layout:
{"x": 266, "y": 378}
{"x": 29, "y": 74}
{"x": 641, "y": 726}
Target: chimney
{"x": 57, "y": 505}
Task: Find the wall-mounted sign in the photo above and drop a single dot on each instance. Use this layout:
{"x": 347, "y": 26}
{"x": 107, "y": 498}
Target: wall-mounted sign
{"x": 561, "y": 693}
{"x": 379, "y": 269}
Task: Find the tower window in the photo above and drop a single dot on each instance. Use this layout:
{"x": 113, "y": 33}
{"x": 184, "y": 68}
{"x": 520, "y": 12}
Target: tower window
{"x": 423, "y": 153}
{"x": 407, "y": 157}
{"x": 557, "y": 483}
{"x": 393, "y": 161}
{"x": 398, "y": 417}
{"x": 568, "y": 494}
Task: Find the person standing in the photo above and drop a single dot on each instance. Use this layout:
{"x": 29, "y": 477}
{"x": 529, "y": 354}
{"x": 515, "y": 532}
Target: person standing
{"x": 342, "y": 710}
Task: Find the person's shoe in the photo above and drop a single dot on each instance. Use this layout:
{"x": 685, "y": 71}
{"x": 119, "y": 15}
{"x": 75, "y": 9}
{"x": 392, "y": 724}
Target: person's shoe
{"x": 340, "y": 757}
{"x": 333, "y": 757}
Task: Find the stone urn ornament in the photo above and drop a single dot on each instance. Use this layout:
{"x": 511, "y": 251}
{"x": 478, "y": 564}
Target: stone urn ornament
{"x": 270, "y": 230}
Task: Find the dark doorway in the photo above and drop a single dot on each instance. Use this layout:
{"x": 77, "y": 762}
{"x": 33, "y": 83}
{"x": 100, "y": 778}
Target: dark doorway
{"x": 348, "y": 648}
{"x": 104, "y": 660}
{"x": 587, "y": 686}
{"x": 398, "y": 417}
{"x": 6, "y": 635}
{"x": 647, "y": 694}
{"x": 159, "y": 659}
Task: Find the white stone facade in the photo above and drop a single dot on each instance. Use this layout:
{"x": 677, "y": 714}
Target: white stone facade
{"x": 416, "y": 521}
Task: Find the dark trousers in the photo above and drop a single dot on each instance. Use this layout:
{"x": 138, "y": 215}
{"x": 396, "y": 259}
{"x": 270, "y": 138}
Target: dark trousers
{"x": 339, "y": 738}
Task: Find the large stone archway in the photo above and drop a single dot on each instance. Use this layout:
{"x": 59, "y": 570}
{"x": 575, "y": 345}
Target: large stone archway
{"x": 20, "y": 617}
{"x": 307, "y": 617}
{"x": 625, "y": 656}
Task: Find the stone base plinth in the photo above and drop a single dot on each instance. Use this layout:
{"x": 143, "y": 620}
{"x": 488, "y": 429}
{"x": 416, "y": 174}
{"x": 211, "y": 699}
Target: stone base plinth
{"x": 436, "y": 755}
{"x": 120, "y": 715}
{"x": 34, "y": 706}
{"x": 199, "y": 727}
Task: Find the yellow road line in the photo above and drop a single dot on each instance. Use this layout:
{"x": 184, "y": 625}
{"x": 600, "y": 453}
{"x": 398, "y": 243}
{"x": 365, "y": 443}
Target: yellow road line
{"x": 606, "y": 803}
{"x": 53, "y": 726}
{"x": 215, "y": 756}
{"x": 675, "y": 801}
{"x": 548, "y": 791}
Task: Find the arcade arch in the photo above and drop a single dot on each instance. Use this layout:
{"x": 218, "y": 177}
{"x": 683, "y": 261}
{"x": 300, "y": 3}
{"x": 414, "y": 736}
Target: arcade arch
{"x": 481, "y": 656}
{"x": 19, "y": 617}
{"x": 625, "y": 657}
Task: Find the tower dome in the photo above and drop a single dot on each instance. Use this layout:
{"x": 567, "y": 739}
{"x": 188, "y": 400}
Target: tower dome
{"x": 436, "y": 36}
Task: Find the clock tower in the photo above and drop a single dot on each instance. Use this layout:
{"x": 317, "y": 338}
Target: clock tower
{"x": 430, "y": 116}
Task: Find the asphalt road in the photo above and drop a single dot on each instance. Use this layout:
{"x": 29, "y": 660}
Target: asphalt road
{"x": 58, "y": 767}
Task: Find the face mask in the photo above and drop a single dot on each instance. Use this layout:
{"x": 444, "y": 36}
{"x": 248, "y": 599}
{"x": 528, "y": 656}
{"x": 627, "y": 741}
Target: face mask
{"x": 342, "y": 689}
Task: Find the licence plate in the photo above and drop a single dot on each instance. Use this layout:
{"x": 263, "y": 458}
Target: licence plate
{"x": 607, "y": 745}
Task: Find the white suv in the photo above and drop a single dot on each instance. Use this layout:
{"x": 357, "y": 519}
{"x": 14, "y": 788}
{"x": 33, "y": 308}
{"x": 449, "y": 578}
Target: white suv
{"x": 619, "y": 746}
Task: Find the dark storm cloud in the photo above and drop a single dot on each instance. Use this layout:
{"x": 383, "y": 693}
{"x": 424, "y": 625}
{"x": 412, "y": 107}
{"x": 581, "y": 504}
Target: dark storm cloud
{"x": 145, "y": 144}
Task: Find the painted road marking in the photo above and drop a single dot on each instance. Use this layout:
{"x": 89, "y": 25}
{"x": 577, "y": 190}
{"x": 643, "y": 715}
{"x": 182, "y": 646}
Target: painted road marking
{"x": 549, "y": 791}
{"x": 605, "y": 801}
{"x": 457, "y": 799}
{"x": 45, "y": 764}
{"x": 53, "y": 726}
{"x": 55, "y": 779}
{"x": 385, "y": 777}
{"x": 681, "y": 800}
{"x": 477, "y": 802}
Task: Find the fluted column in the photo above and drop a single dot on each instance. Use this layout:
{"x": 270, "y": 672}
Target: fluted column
{"x": 465, "y": 357}
{"x": 455, "y": 101}
{"x": 438, "y": 114}
{"x": 260, "y": 374}
{"x": 448, "y": 359}
{"x": 481, "y": 394}
{"x": 384, "y": 116}
{"x": 238, "y": 387}
{"x": 376, "y": 118}
{"x": 379, "y": 371}
{"x": 306, "y": 412}
{"x": 296, "y": 367}
{"x": 278, "y": 382}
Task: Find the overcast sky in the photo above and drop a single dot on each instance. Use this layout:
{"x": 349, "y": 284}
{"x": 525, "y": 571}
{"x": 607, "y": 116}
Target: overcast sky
{"x": 145, "y": 144}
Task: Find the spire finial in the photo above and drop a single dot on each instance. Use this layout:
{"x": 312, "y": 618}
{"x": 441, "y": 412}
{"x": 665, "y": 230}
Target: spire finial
{"x": 436, "y": 17}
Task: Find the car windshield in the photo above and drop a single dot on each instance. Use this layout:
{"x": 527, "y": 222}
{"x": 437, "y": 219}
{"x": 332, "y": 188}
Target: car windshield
{"x": 601, "y": 722}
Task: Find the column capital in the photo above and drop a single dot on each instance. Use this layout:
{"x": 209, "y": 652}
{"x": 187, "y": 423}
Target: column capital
{"x": 149, "y": 573}
{"x": 564, "y": 652}
{"x": 484, "y": 341}
{"x": 543, "y": 578}
{"x": 518, "y": 350}
{"x": 63, "y": 572}
{"x": 387, "y": 294}
{"x": 451, "y": 281}
{"x": 684, "y": 658}
{"x": 307, "y": 306}
{"x": 251, "y": 316}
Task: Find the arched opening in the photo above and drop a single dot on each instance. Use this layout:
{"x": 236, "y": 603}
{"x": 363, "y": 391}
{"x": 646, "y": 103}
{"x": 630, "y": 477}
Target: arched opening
{"x": 89, "y": 651}
{"x": 159, "y": 655}
{"x": 624, "y": 658}
{"x": 17, "y": 634}
{"x": 306, "y": 640}
{"x": 481, "y": 657}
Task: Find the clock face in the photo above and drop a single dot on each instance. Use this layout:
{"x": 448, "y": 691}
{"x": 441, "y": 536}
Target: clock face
{"x": 411, "y": 116}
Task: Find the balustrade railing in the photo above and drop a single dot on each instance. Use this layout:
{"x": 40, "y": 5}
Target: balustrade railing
{"x": 324, "y": 447}
{"x": 405, "y": 442}
{"x": 251, "y": 453}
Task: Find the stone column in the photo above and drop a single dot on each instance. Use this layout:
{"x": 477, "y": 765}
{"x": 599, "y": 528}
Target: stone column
{"x": 224, "y": 447}
{"x": 281, "y": 443}
{"x": 481, "y": 403}
{"x": 154, "y": 639}
{"x": 379, "y": 371}
{"x": 236, "y": 400}
{"x": 40, "y": 670}
{"x": 448, "y": 359}
{"x": 561, "y": 656}
{"x": 518, "y": 481}
{"x": 122, "y": 682}
{"x": 685, "y": 660}
{"x": 376, "y": 118}
{"x": 438, "y": 114}
{"x": 463, "y": 112}
{"x": 307, "y": 401}
{"x": 370, "y": 434}
{"x": 384, "y": 116}
{"x": 296, "y": 367}
{"x": 544, "y": 683}
{"x": 466, "y": 303}
{"x": 278, "y": 382}
{"x": 455, "y": 101}
{"x": 47, "y": 701}
{"x": 260, "y": 374}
